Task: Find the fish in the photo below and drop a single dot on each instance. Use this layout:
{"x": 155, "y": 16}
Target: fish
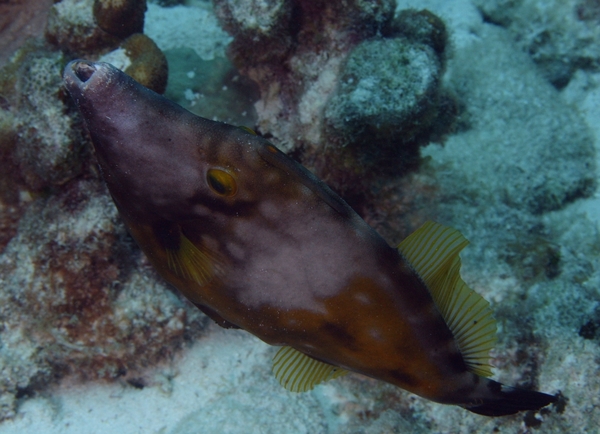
{"x": 257, "y": 242}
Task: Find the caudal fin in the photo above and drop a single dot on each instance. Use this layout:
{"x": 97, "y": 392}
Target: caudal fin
{"x": 501, "y": 400}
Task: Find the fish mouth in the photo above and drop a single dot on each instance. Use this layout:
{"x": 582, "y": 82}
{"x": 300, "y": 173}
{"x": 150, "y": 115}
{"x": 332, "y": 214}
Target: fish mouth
{"x": 78, "y": 72}
{"x": 80, "y": 76}
{"x": 82, "y": 69}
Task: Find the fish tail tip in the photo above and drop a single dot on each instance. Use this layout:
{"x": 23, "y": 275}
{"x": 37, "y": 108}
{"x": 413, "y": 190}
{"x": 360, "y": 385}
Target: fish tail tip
{"x": 505, "y": 400}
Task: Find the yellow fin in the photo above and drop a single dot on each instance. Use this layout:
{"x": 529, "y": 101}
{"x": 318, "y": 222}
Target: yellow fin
{"x": 192, "y": 262}
{"x": 298, "y": 372}
{"x": 248, "y": 130}
{"x": 433, "y": 251}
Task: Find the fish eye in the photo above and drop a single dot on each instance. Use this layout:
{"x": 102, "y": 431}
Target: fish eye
{"x": 221, "y": 182}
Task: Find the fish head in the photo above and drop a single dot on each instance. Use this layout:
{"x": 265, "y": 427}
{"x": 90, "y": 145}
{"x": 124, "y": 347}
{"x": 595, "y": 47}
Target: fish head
{"x": 159, "y": 159}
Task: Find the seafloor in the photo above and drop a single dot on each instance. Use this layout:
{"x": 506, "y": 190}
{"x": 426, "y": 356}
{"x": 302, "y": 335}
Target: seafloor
{"x": 480, "y": 114}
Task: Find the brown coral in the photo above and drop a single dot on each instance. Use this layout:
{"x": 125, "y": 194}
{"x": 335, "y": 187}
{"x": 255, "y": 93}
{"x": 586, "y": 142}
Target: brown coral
{"x": 121, "y": 18}
{"x": 148, "y": 63}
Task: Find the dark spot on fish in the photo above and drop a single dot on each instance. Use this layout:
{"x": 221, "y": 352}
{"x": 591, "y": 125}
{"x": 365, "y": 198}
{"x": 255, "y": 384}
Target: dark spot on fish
{"x": 409, "y": 279}
{"x": 167, "y": 235}
{"x": 403, "y": 378}
{"x": 457, "y": 362}
{"x": 338, "y": 333}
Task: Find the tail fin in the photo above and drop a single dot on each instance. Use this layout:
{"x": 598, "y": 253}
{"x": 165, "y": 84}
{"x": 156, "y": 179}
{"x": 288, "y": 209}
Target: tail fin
{"x": 501, "y": 400}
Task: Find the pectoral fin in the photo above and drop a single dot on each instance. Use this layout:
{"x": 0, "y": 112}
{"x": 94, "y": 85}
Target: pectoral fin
{"x": 192, "y": 262}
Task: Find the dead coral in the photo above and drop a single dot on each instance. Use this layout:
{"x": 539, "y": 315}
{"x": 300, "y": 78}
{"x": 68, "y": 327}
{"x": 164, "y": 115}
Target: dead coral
{"x": 72, "y": 28}
{"x": 294, "y": 54}
{"x": 47, "y": 149}
{"x": 343, "y": 83}
{"x": 78, "y": 298}
{"x": 262, "y": 24}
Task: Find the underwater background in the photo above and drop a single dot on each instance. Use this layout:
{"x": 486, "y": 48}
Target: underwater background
{"x": 483, "y": 115}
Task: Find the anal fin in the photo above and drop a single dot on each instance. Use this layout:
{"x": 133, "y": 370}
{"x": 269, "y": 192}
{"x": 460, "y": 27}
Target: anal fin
{"x": 298, "y": 372}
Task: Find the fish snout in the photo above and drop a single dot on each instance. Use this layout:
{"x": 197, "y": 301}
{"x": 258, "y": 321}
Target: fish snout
{"x": 82, "y": 69}
{"x": 83, "y": 76}
{"x": 78, "y": 72}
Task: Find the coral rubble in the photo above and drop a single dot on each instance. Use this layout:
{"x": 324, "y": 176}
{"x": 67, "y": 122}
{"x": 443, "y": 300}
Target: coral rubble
{"x": 77, "y": 298}
{"x": 562, "y": 36}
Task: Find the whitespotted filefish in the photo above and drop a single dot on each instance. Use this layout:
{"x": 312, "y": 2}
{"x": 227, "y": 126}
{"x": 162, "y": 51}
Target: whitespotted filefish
{"x": 258, "y": 242}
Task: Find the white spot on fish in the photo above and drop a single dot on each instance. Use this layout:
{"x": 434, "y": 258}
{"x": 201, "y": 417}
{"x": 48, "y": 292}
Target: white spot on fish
{"x": 236, "y": 251}
{"x": 269, "y": 210}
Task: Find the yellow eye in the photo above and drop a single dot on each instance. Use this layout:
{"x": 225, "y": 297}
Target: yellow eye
{"x": 221, "y": 182}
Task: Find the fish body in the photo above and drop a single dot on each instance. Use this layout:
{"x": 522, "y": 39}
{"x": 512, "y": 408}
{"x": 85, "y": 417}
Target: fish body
{"x": 257, "y": 242}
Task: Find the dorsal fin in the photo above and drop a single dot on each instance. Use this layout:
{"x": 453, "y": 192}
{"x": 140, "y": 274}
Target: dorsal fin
{"x": 298, "y": 372}
{"x": 247, "y": 129}
{"x": 433, "y": 250}
{"x": 191, "y": 262}
{"x": 275, "y": 157}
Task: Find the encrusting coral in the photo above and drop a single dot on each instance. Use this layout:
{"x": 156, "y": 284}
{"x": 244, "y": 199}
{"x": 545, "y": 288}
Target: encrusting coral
{"x": 344, "y": 87}
{"x": 47, "y": 147}
{"x": 72, "y": 28}
{"x": 84, "y": 26}
{"x": 385, "y": 102}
